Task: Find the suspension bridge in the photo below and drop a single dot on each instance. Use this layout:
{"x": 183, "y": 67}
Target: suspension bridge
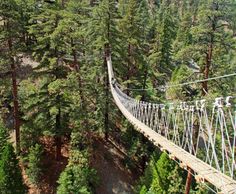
{"x": 199, "y": 135}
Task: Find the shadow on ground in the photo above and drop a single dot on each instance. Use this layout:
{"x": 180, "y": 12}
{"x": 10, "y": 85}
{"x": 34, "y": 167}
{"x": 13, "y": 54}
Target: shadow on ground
{"x": 114, "y": 177}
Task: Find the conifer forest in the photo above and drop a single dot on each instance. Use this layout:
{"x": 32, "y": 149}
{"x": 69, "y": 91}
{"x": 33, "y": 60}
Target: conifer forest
{"x": 60, "y": 129}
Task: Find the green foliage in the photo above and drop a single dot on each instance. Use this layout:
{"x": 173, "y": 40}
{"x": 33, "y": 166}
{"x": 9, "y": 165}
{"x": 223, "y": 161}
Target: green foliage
{"x": 163, "y": 176}
{"x": 143, "y": 190}
{"x": 76, "y": 180}
{"x": 34, "y": 168}
{"x": 153, "y": 43}
{"x": 213, "y": 42}
{"x": 134, "y": 28}
{"x": 73, "y": 180}
{"x": 78, "y": 177}
{"x": 203, "y": 188}
{"x": 176, "y": 178}
{"x": 179, "y": 76}
{"x": 8, "y": 12}
{"x": 161, "y": 180}
{"x": 161, "y": 53}
{"x": 4, "y": 136}
{"x": 138, "y": 148}
{"x": 79, "y": 141}
{"x": 11, "y": 181}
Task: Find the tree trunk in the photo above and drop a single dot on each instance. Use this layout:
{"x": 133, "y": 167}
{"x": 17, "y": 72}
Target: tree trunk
{"x": 209, "y": 55}
{"x": 106, "y": 80}
{"x": 188, "y": 181}
{"x": 207, "y": 67}
{"x": 58, "y": 147}
{"x": 15, "y": 99}
{"x": 63, "y": 3}
{"x": 128, "y": 69}
{"x": 77, "y": 66}
{"x": 207, "y": 70}
{"x": 144, "y": 83}
{"x": 92, "y": 3}
{"x": 106, "y": 111}
{"x": 144, "y": 157}
{"x": 77, "y": 69}
{"x": 58, "y": 132}
{"x": 16, "y": 106}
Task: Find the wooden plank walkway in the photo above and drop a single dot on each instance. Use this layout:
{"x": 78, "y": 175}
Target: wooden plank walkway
{"x": 224, "y": 183}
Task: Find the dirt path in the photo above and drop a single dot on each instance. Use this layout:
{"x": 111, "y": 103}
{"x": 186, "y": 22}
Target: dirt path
{"x": 114, "y": 178}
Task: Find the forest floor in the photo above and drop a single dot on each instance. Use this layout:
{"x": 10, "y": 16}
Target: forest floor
{"x": 107, "y": 159}
{"x": 52, "y": 169}
{"x": 114, "y": 177}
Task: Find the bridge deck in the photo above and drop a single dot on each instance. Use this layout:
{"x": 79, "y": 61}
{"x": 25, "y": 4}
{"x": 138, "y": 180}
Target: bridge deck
{"x": 210, "y": 174}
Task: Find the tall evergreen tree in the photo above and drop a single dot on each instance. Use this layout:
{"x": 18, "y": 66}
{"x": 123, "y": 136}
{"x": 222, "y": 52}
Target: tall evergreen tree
{"x": 212, "y": 39}
{"x": 163, "y": 176}
{"x": 78, "y": 176}
{"x": 161, "y": 53}
{"x": 50, "y": 105}
{"x": 11, "y": 181}
{"x": 34, "y": 167}
{"x": 9, "y": 39}
{"x": 101, "y": 34}
{"x": 134, "y": 33}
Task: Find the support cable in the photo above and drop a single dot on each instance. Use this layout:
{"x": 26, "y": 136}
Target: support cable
{"x": 163, "y": 87}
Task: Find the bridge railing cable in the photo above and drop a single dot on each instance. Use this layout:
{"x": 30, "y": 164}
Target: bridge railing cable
{"x": 211, "y": 137}
{"x": 205, "y": 132}
{"x": 165, "y": 87}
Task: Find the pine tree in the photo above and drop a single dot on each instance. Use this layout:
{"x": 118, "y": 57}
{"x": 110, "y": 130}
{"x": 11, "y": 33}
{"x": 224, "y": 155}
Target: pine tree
{"x": 183, "y": 38}
{"x": 134, "y": 68}
{"x": 233, "y": 16}
{"x": 212, "y": 38}
{"x": 163, "y": 176}
{"x": 24, "y": 9}
{"x": 78, "y": 177}
{"x": 9, "y": 33}
{"x": 10, "y": 174}
{"x": 102, "y": 38}
{"x": 73, "y": 180}
{"x": 134, "y": 28}
{"x": 72, "y": 31}
{"x": 51, "y": 96}
{"x": 34, "y": 169}
{"x": 181, "y": 55}
{"x": 161, "y": 181}
{"x": 161, "y": 52}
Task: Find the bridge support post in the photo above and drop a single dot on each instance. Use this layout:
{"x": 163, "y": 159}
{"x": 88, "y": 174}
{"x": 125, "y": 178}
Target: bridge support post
{"x": 188, "y": 181}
